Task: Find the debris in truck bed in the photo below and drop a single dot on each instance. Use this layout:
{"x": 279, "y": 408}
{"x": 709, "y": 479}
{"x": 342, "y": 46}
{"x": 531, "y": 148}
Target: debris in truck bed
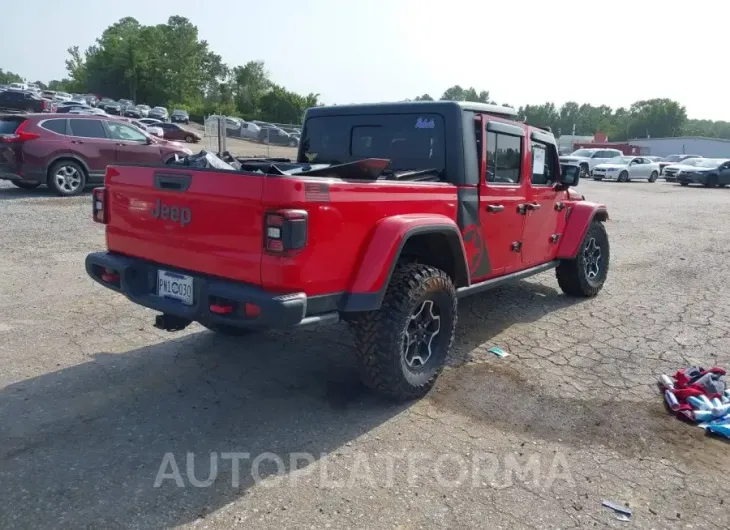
{"x": 203, "y": 160}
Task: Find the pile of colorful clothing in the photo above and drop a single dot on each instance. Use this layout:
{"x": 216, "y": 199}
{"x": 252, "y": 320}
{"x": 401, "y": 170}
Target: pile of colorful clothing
{"x": 700, "y": 396}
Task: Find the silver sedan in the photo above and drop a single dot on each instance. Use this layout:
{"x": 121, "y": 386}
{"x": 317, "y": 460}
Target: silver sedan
{"x": 625, "y": 168}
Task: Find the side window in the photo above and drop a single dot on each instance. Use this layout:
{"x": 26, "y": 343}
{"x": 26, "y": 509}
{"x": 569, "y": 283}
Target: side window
{"x": 504, "y": 157}
{"x": 56, "y": 126}
{"x": 87, "y": 128}
{"x": 119, "y": 131}
{"x": 543, "y": 164}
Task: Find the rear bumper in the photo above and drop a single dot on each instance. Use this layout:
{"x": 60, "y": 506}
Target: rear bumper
{"x": 26, "y": 175}
{"x": 138, "y": 282}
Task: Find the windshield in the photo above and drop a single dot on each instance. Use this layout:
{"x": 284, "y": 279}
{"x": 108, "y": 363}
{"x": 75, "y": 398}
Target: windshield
{"x": 708, "y": 162}
{"x": 691, "y": 161}
{"x": 672, "y": 158}
{"x": 409, "y": 141}
{"x": 623, "y": 160}
{"x": 582, "y": 152}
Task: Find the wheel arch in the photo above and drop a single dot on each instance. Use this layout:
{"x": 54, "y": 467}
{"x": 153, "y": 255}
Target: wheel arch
{"x": 579, "y": 217}
{"x": 66, "y": 158}
{"x": 430, "y": 240}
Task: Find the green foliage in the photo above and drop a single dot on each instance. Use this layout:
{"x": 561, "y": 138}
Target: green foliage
{"x": 9, "y": 77}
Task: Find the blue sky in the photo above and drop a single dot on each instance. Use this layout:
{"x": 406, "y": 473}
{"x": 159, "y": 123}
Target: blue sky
{"x": 524, "y": 51}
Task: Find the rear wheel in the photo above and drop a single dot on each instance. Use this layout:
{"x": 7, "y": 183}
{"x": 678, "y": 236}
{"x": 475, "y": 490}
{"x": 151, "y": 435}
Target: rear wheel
{"x": 585, "y": 275}
{"x": 25, "y": 185}
{"x": 189, "y": 138}
{"x": 67, "y": 178}
{"x": 654, "y": 175}
{"x": 623, "y": 177}
{"x": 584, "y": 171}
{"x": 402, "y": 347}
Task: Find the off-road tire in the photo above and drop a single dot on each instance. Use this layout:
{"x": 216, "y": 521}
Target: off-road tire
{"x": 230, "y": 331}
{"x": 380, "y": 335}
{"x": 571, "y": 273}
{"x": 623, "y": 177}
{"x": 25, "y": 185}
{"x": 654, "y": 175}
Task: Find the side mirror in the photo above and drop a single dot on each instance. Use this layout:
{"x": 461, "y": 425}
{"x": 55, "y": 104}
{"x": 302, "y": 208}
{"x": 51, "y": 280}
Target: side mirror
{"x": 569, "y": 176}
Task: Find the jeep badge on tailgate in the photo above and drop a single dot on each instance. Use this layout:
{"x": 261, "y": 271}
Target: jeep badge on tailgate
{"x": 173, "y": 213}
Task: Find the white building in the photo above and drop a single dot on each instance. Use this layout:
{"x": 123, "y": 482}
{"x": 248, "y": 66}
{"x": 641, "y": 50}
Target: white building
{"x": 684, "y": 145}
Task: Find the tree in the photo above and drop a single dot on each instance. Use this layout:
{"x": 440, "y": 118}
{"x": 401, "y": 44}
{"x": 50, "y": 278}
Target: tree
{"x": 424, "y": 97}
{"x": 9, "y": 77}
{"x": 457, "y": 93}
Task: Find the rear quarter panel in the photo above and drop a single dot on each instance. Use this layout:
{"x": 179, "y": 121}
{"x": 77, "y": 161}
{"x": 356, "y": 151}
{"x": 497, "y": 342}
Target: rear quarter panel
{"x": 342, "y": 228}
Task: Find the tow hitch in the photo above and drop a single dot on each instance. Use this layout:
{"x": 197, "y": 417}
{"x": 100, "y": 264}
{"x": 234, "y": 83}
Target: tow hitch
{"x": 171, "y": 322}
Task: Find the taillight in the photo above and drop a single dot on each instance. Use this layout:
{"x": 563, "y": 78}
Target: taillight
{"x": 285, "y": 231}
{"x": 20, "y": 135}
{"x": 99, "y": 210}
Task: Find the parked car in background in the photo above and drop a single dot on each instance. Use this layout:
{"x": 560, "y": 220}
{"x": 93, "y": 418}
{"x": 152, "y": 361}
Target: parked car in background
{"x": 625, "y": 168}
{"x": 275, "y": 136}
{"x": 144, "y": 109}
{"x": 172, "y": 131}
{"x": 91, "y": 99}
{"x": 87, "y": 110}
{"x": 159, "y": 113}
{"x": 674, "y": 159}
{"x": 150, "y": 121}
{"x": 132, "y": 112}
{"x": 180, "y": 116}
{"x": 126, "y": 103}
{"x": 18, "y": 86}
{"x": 67, "y": 106}
{"x": 67, "y": 152}
{"x": 17, "y": 101}
{"x": 149, "y": 129}
{"x": 587, "y": 159}
{"x": 63, "y": 96}
{"x": 670, "y": 172}
{"x": 710, "y": 172}
{"x": 248, "y": 130}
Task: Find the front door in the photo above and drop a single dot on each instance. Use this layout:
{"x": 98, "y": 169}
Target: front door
{"x": 501, "y": 197}
{"x": 544, "y": 214}
{"x": 132, "y": 146}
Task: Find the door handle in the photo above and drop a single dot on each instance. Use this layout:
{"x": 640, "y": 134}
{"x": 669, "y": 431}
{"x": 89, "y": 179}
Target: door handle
{"x": 533, "y": 206}
{"x": 495, "y": 208}
{"x": 76, "y": 142}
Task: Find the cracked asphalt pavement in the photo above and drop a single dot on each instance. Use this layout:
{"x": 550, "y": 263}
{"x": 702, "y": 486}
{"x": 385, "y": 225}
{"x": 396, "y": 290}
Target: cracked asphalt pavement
{"x": 95, "y": 402}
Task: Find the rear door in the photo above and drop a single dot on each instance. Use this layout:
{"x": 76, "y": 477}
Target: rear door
{"x": 132, "y": 146}
{"x": 89, "y": 139}
{"x": 501, "y": 197}
{"x": 542, "y": 219}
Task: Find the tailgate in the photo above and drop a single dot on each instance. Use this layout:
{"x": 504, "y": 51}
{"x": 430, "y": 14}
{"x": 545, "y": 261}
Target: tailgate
{"x": 200, "y": 220}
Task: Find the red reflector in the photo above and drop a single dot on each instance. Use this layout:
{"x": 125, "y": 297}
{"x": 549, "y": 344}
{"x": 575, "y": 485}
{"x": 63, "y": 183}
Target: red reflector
{"x": 252, "y": 310}
{"x": 275, "y": 245}
{"x": 221, "y": 309}
{"x": 110, "y": 275}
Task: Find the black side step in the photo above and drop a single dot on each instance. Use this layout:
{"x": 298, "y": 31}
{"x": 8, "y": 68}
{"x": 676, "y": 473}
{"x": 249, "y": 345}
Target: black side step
{"x": 502, "y": 280}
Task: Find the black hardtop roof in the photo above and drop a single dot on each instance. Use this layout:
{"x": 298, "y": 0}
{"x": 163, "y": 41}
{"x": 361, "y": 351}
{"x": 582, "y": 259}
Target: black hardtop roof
{"x": 408, "y": 107}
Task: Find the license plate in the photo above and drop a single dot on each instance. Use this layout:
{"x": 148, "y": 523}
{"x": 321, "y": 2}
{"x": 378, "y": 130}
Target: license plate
{"x": 175, "y": 286}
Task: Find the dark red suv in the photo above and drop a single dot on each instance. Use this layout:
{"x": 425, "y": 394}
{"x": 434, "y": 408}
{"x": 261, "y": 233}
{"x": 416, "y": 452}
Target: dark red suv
{"x": 70, "y": 151}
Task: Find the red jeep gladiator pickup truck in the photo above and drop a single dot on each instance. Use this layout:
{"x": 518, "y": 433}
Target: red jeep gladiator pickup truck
{"x": 389, "y": 215}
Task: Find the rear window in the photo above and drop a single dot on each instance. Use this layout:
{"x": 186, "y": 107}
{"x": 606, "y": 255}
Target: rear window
{"x": 10, "y": 125}
{"x": 410, "y": 141}
{"x": 56, "y": 126}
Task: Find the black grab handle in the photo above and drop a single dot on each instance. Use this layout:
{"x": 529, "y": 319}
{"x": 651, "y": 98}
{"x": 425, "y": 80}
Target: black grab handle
{"x": 176, "y": 182}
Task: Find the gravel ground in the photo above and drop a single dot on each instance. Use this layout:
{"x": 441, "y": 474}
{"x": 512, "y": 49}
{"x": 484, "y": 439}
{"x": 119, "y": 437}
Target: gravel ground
{"x": 95, "y": 402}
